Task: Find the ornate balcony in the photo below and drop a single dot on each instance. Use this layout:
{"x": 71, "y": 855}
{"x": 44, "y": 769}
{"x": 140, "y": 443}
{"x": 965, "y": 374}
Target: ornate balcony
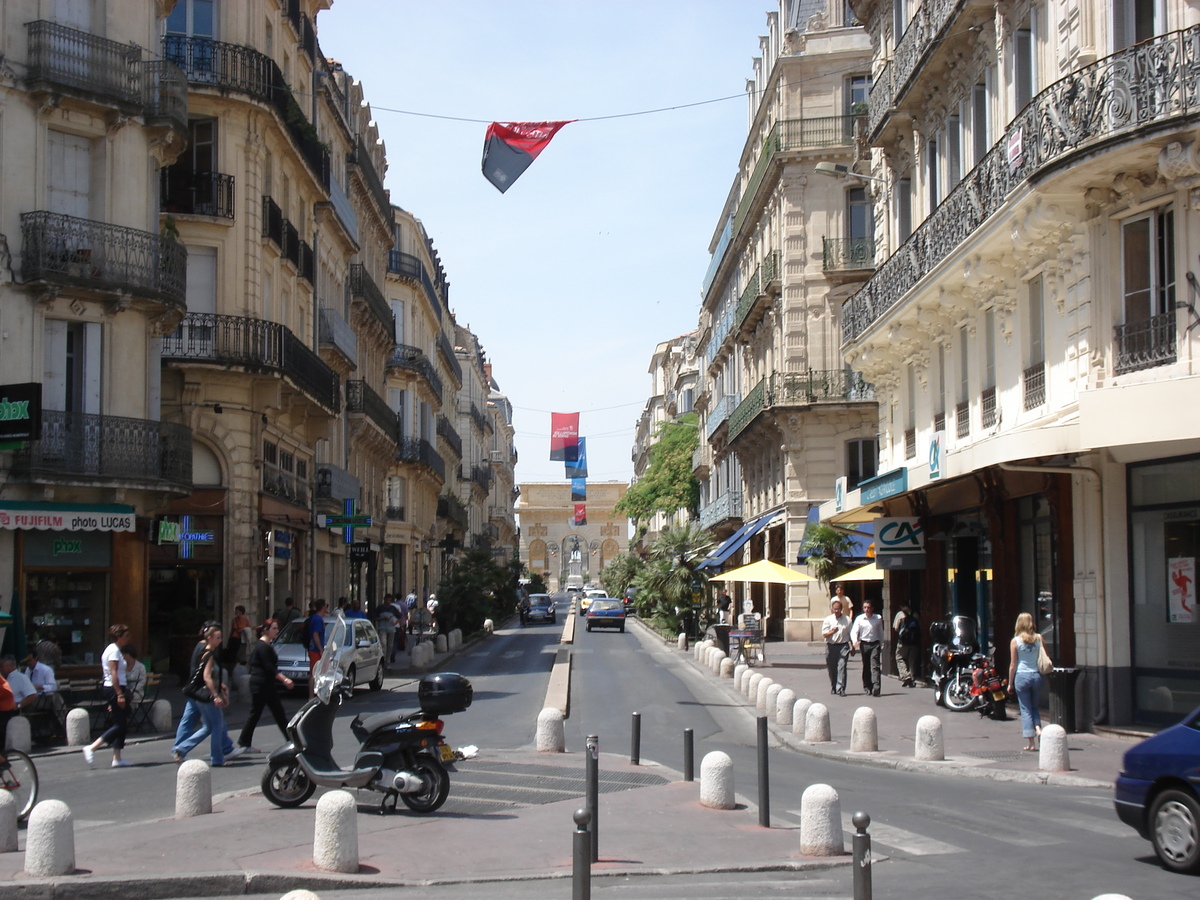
{"x": 1154, "y": 83}
{"x": 847, "y": 254}
{"x": 413, "y": 360}
{"x": 446, "y": 351}
{"x": 784, "y": 389}
{"x": 334, "y": 331}
{"x": 719, "y": 413}
{"x": 362, "y": 399}
{"x": 727, "y": 506}
{"x": 1033, "y": 381}
{"x": 962, "y": 419}
{"x": 361, "y": 159}
{"x": 64, "y": 250}
{"x": 764, "y": 275}
{"x": 989, "y": 413}
{"x": 478, "y": 419}
{"x": 452, "y": 510}
{"x": 481, "y": 476}
{"x": 285, "y": 485}
{"x": 447, "y": 433}
{"x": 421, "y": 452}
{"x": 83, "y": 449}
{"x": 408, "y": 266}
{"x": 1145, "y": 344}
{"x": 189, "y": 193}
{"x": 748, "y": 409}
{"x": 363, "y": 287}
{"x": 257, "y": 346}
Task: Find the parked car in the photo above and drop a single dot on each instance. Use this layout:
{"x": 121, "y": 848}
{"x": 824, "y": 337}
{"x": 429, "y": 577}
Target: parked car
{"x": 361, "y": 659}
{"x": 1158, "y": 793}
{"x": 606, "y": 612}
{"x": 629, "y": 601}
{"x": 541, "y": 609}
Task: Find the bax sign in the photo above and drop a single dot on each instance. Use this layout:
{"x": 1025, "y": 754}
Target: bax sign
{"x": 20, "y": 412}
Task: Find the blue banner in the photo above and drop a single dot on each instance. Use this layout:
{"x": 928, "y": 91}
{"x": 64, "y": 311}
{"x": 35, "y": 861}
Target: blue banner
{"x": 578, "y": 489}
{"x": 577, "y": 467}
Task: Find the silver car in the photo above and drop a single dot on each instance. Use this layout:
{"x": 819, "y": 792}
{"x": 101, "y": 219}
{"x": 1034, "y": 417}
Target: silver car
{"x": 361, "y": 660}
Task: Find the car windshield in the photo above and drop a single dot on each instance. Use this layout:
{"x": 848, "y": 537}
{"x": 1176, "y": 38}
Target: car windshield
{"x": 293, "y": 633}
{"x": 539, "y": 600}
{"x": 605, "y": 603}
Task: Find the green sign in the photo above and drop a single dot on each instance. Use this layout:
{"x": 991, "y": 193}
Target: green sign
{"x": 347, "y": 521}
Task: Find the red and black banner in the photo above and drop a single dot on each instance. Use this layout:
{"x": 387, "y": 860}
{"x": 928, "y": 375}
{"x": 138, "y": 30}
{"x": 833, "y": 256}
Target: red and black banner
{"x": 580, "y": 514}
{"x": 564, "y": 436}
{"x": 509, "y": 148}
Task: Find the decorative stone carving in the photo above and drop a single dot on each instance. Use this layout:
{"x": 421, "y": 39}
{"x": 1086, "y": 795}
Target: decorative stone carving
{"x": 1177, "y": 160}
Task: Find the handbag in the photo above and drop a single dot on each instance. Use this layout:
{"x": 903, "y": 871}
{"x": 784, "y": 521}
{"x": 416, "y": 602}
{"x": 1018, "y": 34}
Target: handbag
{"x": 1044, "y": 663}
{"x": 197, "y": 689}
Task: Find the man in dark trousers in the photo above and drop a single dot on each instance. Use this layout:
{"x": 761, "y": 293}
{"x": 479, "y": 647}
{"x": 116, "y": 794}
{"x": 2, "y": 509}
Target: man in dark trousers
{"x": 908, "y": 645}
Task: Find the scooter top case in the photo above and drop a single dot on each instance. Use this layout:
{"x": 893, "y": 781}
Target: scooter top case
{"x": 442, "y": 693}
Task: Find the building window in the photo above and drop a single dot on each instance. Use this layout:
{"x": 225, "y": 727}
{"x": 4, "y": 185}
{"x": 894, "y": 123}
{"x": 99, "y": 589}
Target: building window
{"x": 1147, "y": 336}
{"x": 862, "y": 461}
{"x": 1034, "y": 377}
{"x": 72, "y": 361}
{"x": 939, "y": 402}
{"x": 953, "y": 152}
{"x": 858, "y": 90}
{"x": 963, "y": 409}
{"x": 899, "y": 20}
{"x": 904, "y": 208}
{"x": 987, "y": 406}
{"x": 1135, "y": 21}
{"x": 910, "y": 413}
{"x": 931, "y": 174}
{"x": 1023, "y": 66}
{"x": 981, "y": 123}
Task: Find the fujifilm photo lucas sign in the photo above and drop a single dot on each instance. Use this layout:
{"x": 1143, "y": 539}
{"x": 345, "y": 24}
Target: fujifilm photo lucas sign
{"x": 48, "y": 520}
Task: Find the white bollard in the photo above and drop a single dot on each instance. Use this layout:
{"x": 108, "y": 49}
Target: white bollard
{"x": 440, "y": 644}
{"x": 454, "y": 638}
{"x": 718, "y": 657}
{"x": 161, "y": 717}
{"x": 1053, "y": 755}
{"x": 50, "y": 840}
{"x": 750, "y": 686}
{"x": 8, "y": 822}
{"x": 785, "y": 704}
{"x": 760, "y": 693}
{"x": 681, "y": 642}
{"x": 20, "y": 736}
{"x": 243, "y": 686}
{"x": 79, "y": 728}
{"x": 489, "y": 627}
{"x": 550, "y": 734}
{"x": 716, "y": 781}
{"x": 726, "y": 670}
{"x": 771, "y": 702}
{"x": 1111, "y": 897}
{"x": 800, "y": 715}
{"x": 739, "y": 675}
{"x": 821, "y": 821}
{"x": 193, "y": 789}
{"x": 300, "y": 894}
{"x": 816, "y": 724}
{"x": 930, "y": 743}
{"x": 864, "y": 731}
{"x": 335, "y": 836}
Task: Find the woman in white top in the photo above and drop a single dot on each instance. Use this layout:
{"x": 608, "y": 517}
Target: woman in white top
{"x": 115, "y": 679}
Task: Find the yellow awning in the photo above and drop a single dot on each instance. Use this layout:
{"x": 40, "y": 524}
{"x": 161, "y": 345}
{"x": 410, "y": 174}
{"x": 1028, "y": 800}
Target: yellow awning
{"x": 766, "y": 571}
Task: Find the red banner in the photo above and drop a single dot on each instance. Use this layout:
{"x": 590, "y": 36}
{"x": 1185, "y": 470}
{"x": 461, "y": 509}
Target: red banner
{"x": 564, "y": 433}
{"x": 580, "y": 513}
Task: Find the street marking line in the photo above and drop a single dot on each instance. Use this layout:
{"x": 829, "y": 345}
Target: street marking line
{"x": 901, "y": 839}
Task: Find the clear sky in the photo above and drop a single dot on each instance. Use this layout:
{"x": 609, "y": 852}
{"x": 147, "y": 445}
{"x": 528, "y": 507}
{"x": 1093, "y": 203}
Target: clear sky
{"x": 597, "y": 252}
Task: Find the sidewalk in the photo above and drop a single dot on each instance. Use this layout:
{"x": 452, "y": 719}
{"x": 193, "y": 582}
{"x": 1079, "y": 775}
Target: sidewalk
{"x": 975, "y": 746}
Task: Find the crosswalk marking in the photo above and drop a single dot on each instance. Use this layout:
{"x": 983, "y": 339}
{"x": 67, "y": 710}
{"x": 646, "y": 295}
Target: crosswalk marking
{"x": 902, "y": 839}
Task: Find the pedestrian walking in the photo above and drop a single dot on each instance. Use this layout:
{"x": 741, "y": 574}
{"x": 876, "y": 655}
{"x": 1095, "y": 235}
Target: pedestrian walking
{"x": 402, "y": 618}
{"x": 836, "y": 631}
{"x": 287, "y": 614}
{"x": 866, "y": 637}
{"x": 190, "y": 720}
{"x": 431, "y": 605}
{"x": 264, "y": 675}
{"x": 908, "y": 645}
{"x": 1026, "y": 678}
{"x": 208, "y": 689}
{"x": 112, "y": 661}
{"x": 839, "y": 594}
{"x": 385, "y": 624}
{"x": 411, "y": 602}
{"x": 233, "y": 646}
{"x": 314, "y": 639}
{"x": 724, "y": 602}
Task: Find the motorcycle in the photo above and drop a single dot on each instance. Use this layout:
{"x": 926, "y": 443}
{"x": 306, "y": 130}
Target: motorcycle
{"x": 989, "y": 689}
{"x": 401, "y": 755}
{"x": 953, "y": 650}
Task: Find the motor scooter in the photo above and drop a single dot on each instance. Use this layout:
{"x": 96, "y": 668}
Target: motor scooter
{"x": 401, "y": 755}
{"x": 953, "y": 649}
{"x": 989, "y": 689}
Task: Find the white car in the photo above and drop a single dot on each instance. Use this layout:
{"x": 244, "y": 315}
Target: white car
{"x": 361, "y": 660}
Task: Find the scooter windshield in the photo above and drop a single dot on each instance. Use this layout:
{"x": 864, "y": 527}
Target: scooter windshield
{"x": 327, "y": 673}
{"x": 964, "y": 630}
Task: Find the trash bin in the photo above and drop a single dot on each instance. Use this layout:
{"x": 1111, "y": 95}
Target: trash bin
{"x": 1062, "y": 696}
{"x": 719, "y": 634}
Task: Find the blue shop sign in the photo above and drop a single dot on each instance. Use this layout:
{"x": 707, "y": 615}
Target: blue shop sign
{"x": 889, "y": 484}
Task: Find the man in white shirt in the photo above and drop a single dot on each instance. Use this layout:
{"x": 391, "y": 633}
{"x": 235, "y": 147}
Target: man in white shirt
{"x": 41, "y": 674}
{"x": 836, "y": 631}
{"x": 866, "y": 635}
{"x": 24, "y": 693}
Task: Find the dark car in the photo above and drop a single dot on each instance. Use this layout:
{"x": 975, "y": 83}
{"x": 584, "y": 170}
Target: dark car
{"x": 605, "y": 612}
{"x": 541, "y": 609}
{"x": 1158, "y": 793}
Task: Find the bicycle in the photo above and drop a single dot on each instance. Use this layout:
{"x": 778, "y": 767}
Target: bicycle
{"x": 18, "y": 776}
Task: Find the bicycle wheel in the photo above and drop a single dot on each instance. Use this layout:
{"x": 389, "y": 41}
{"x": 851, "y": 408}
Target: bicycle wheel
{"x": 20, "y": 778}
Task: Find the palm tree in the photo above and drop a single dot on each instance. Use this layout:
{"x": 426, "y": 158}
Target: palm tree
{"x": 671, "y": 578}
{"x": 825, "y": 547}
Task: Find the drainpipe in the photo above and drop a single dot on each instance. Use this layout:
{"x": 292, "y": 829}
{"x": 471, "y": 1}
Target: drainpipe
{"x": 1101, "y": 711}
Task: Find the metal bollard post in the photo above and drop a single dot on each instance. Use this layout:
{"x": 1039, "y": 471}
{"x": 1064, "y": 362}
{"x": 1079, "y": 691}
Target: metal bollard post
{"x": 593, "y": 792}
{"x": 862, "y": 857}
{"x": 581, "y": 880}
{"x": 689, "y": 757}
{"x": 635, "y": 741}
{"x": 764, "y": 780}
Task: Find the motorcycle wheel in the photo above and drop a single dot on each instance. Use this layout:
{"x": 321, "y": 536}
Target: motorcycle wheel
{"x": 437, "y": 785}
{"x": 957, "y": 695}
{"x": 285, "y": 784}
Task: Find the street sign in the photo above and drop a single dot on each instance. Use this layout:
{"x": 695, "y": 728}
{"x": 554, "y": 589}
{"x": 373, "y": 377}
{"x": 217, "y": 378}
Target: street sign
{"x": 360, "y": 551}
{"x": 346, "y": 521}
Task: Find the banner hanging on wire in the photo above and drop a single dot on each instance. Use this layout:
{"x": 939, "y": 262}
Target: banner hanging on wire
{"x": 510, "y": 147}
{"x": 576, "y": 462}
{"x": 564, "y": 436}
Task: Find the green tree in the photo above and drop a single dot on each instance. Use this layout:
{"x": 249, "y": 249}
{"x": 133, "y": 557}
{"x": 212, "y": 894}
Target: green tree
{"x": 826, "y": 547}
{"x": 669, "y": 484}
{"x": 620, "y": 573}
{"x": 476, "y": 589}
{"x": 670, "y": 576}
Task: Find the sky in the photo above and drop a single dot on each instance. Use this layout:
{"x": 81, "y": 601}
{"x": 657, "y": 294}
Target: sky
{"x": 597, "y": 253}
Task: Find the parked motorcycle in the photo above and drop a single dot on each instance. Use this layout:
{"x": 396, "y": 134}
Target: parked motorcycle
{"x": 401, "y": 755}
{"x": 953, "y": 649}
{"x": 989, "y": 689}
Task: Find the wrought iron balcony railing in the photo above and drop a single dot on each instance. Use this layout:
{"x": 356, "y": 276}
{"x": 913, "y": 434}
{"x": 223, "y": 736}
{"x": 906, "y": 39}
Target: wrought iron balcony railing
{"x": 719, "y": 413}
{"x": 362, "y": 399}
{"x": 308, "y": 264}
{"x": 82, "y": 448}
{"x": 65, "y": 250}
{"x": 256, "y": 345}
{"x": 988, "y": 412}
{"x": 408, "y": 266}
{"x": 482, "y": 476}
{"x": 1154, "y": 83}
{"x": 332, "y": 329}
{"x": 727, "y": 506}
{"x": 879, "y": 99}
{"x": 363, "y": 287}
{"x": 196, "y": 193}
{"x": 447, "y": 432}
{"x": 452, "y": 510}
{"x": 394, "y": 513}
{"x": 748, "y": 409}
{"x": 1145, "y": 344}
{"x": 291, "y": 244}
{"x": 285, "y": 485}
{"x": 847, "y": 254}
{"x": 231, "y": 67}
{"x": 164, "y": 94}
{"x": 805, "y": 388}
{"x": 361, "y": 158}
{"x": 420, "y": 451}
{"x": 273, "y": 221}
{"x": 910, "y": 443}
{"x": 412, "y": 359}
{"x": 478, "y": 419}
{"x": 962, "y": 419}
{"x": 446, "y": 351}
{"x": 1033, "y": 381}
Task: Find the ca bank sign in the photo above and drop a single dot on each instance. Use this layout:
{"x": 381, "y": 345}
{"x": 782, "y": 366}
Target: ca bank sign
{"x": 899, "y": 544}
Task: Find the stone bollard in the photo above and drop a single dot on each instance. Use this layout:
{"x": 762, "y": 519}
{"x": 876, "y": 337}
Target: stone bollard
{"x": 750, "y": 686}
{"x": 454, "y": 639}
{"x": 1053, "y": 755}
{"x": 8, "y": 822}
{"x": 718, "y": 657}
{"x": 489, "y": 627}
{"x": 300, "y": 894}
{"x": 698, "y": 650}
{"x": 50, "y": 840}
{"x": 193, "y": 789}
{"x": 784, "y": 705}
{"x": 816, "y": 724}
{"x": 800, "y": 715}
{"x": 335, "y": 836}
{"x": 681, "y": 642}
{"x": 726, "y": 670}
{"x": 864, "y": 731}
{"x": 771, "y": 703}
{"x": 930, "y": 745}
{"x": 550, "y": 734}
{"x": 821, "y": 821}
{"x": 739, "y": 674}
{"x": 441, "y": 644}
{"x": 20, "y": 736}
{"x": 79, "y": 728}
{"x": 161, "y": 717}
{"x": 702, "y": 650}
{"x": 716, "y": 781}
{"x": 1111, "y": 897}
{"x": 243, "y": 685}
{"x": 760, "y": 693}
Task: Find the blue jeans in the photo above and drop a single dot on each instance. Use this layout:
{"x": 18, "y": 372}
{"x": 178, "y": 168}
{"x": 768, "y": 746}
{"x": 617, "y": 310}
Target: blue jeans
{"x": 211, "y": 721}
{"x": 1028, "y": 686}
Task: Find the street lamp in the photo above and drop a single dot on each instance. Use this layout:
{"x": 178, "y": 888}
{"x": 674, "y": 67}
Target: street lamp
{"x": 833, "y": 170}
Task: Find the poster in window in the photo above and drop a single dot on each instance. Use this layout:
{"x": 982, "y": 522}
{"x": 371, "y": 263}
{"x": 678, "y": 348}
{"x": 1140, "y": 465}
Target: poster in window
{"x": 1181, "y": 589}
